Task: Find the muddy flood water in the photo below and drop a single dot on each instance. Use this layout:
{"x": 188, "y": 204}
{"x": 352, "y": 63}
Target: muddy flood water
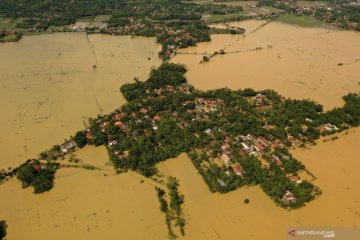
{"x": 50, "y": 84}
{"x": 48, "y": 87}
{"x": 297, "y": 62}
{"x": 223, "y": 216}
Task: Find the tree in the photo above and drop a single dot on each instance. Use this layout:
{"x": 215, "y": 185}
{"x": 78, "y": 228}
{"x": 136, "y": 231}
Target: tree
{"x": 80, "y": 139}
{"x": 3, "y": 227}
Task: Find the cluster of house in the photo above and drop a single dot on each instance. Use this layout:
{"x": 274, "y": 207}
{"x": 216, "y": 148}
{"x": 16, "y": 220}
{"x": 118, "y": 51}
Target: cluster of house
{"x": 184, "y": 88}
{"x": 207, "y": 105}
{"x": 257, "y": 146}
{"x": 261, "y": 101}
{"x": 226, "y": 157}
{"x": 328, "y": 13}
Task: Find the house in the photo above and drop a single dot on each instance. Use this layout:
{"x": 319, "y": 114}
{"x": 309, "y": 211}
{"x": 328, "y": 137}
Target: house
{"x": 221, "y": 182}
{"x": 143, "y": 110}
{"x": 259, "y": 148}
{"x": 329, "y": 127}
{"x": 208, "y": 131}
{"x": 118, "y": 123}
{"x": 156, "y": 118}
{"x": 309, "y": 120}
{"x": 225, "y": 146}
{"x": 37, "y": 168}
{"x": 288, "y": 197}
{"x": 293, "y": 141}
{"x": 277, "y": 144}
{"x": 245, "y": 146}
{"x": 242, "y": 153}
{"x": 68, "y": 146}
{"x": 264, "y": 142}
{"x": 226, "y": 158}
{"x": 238, "y": 170}
{"x": 112, "y": 143}
{"x": 277, "y": 160}
{"x": 89, "y": 136}
{"x": 294, "y": 179}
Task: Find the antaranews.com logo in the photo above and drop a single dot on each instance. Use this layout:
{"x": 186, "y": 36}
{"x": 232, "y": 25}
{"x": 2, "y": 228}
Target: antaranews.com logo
{"x": 334, "y": 233}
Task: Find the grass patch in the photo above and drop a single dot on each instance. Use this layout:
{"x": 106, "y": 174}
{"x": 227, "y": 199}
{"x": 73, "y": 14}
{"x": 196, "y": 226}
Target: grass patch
{"x": 101, "y": 18}
{"x": 8, "y": 23}
{"x": 302, "y": 21}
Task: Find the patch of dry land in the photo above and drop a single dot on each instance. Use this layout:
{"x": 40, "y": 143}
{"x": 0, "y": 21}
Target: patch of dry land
{"x": 50, "y": 84}
{"x": 224, "y": 216}
{"x": 85, "y": 204}
{"x": 299, "y": 62}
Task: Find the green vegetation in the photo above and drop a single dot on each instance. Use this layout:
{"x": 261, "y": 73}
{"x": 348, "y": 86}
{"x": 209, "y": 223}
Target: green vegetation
{"x": 234, "y": 138}
{"x": 166, "y": 116}
{"x": 39, "y": 175}
{"x": 340, "y": 13}
{"x": 173, "y": 212}
{"x": 3, "y": 227}
{"x": 174, "y": 24}
{"x": 10, "y": 36}
{"x": 302, "y": 21}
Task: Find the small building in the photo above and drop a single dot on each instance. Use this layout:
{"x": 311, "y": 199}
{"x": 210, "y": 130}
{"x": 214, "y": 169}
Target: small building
{"x": 238, "y": 170}
{"x": 330, "y": 128}
{"x": 226, "y": 158}
{"x": 68, "y": 146}
{"x": 294, "y": 179}
{"x": 277, "y": 160}
{"x": 143, "y": 110}
{"x": 288, "y": 197}
{"x": 259, "y": 148}
{"x": 264, "y": 142}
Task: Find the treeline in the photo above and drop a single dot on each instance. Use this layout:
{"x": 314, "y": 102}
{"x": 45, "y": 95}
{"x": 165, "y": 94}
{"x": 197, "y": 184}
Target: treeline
{"x": 3, "y": 227}
{"x": 173, "y": 210}
{"x": 42, "y": 14}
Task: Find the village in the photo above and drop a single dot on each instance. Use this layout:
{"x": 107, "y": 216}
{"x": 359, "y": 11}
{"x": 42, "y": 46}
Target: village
{"x": 342, "y": 15}
{"x": 226, "y": 159}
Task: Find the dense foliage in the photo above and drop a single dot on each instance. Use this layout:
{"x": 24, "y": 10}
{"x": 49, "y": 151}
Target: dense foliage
{"x": 165, "y": 116}
{"x": 39, "y": 175}
{"x": 3, "y": 227}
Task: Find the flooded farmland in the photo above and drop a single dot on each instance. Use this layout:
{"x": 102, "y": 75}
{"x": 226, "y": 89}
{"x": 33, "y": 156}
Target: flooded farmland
{"x": 297, "y": 62}
{"x": 50, "y": 84}
{"x": 85, "y": 204}
{"x": 214, "y": 216}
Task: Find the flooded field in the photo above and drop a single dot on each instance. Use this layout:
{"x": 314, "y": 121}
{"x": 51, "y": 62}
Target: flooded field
{"x": 85, "y": 204}
{"x": 297, "y": 62}
{"x": 223, "y": 216}
{"x": 50, "y": 84}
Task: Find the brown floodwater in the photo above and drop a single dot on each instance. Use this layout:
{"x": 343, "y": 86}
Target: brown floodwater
{"x": 301, "y": 62}
{"x": 214, "y": 216}
{"x": 85, "y": 204}
{"x": 49, "y": 87}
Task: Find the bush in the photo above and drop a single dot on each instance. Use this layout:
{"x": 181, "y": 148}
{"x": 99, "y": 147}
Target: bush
{"x": 3, "y": 227}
